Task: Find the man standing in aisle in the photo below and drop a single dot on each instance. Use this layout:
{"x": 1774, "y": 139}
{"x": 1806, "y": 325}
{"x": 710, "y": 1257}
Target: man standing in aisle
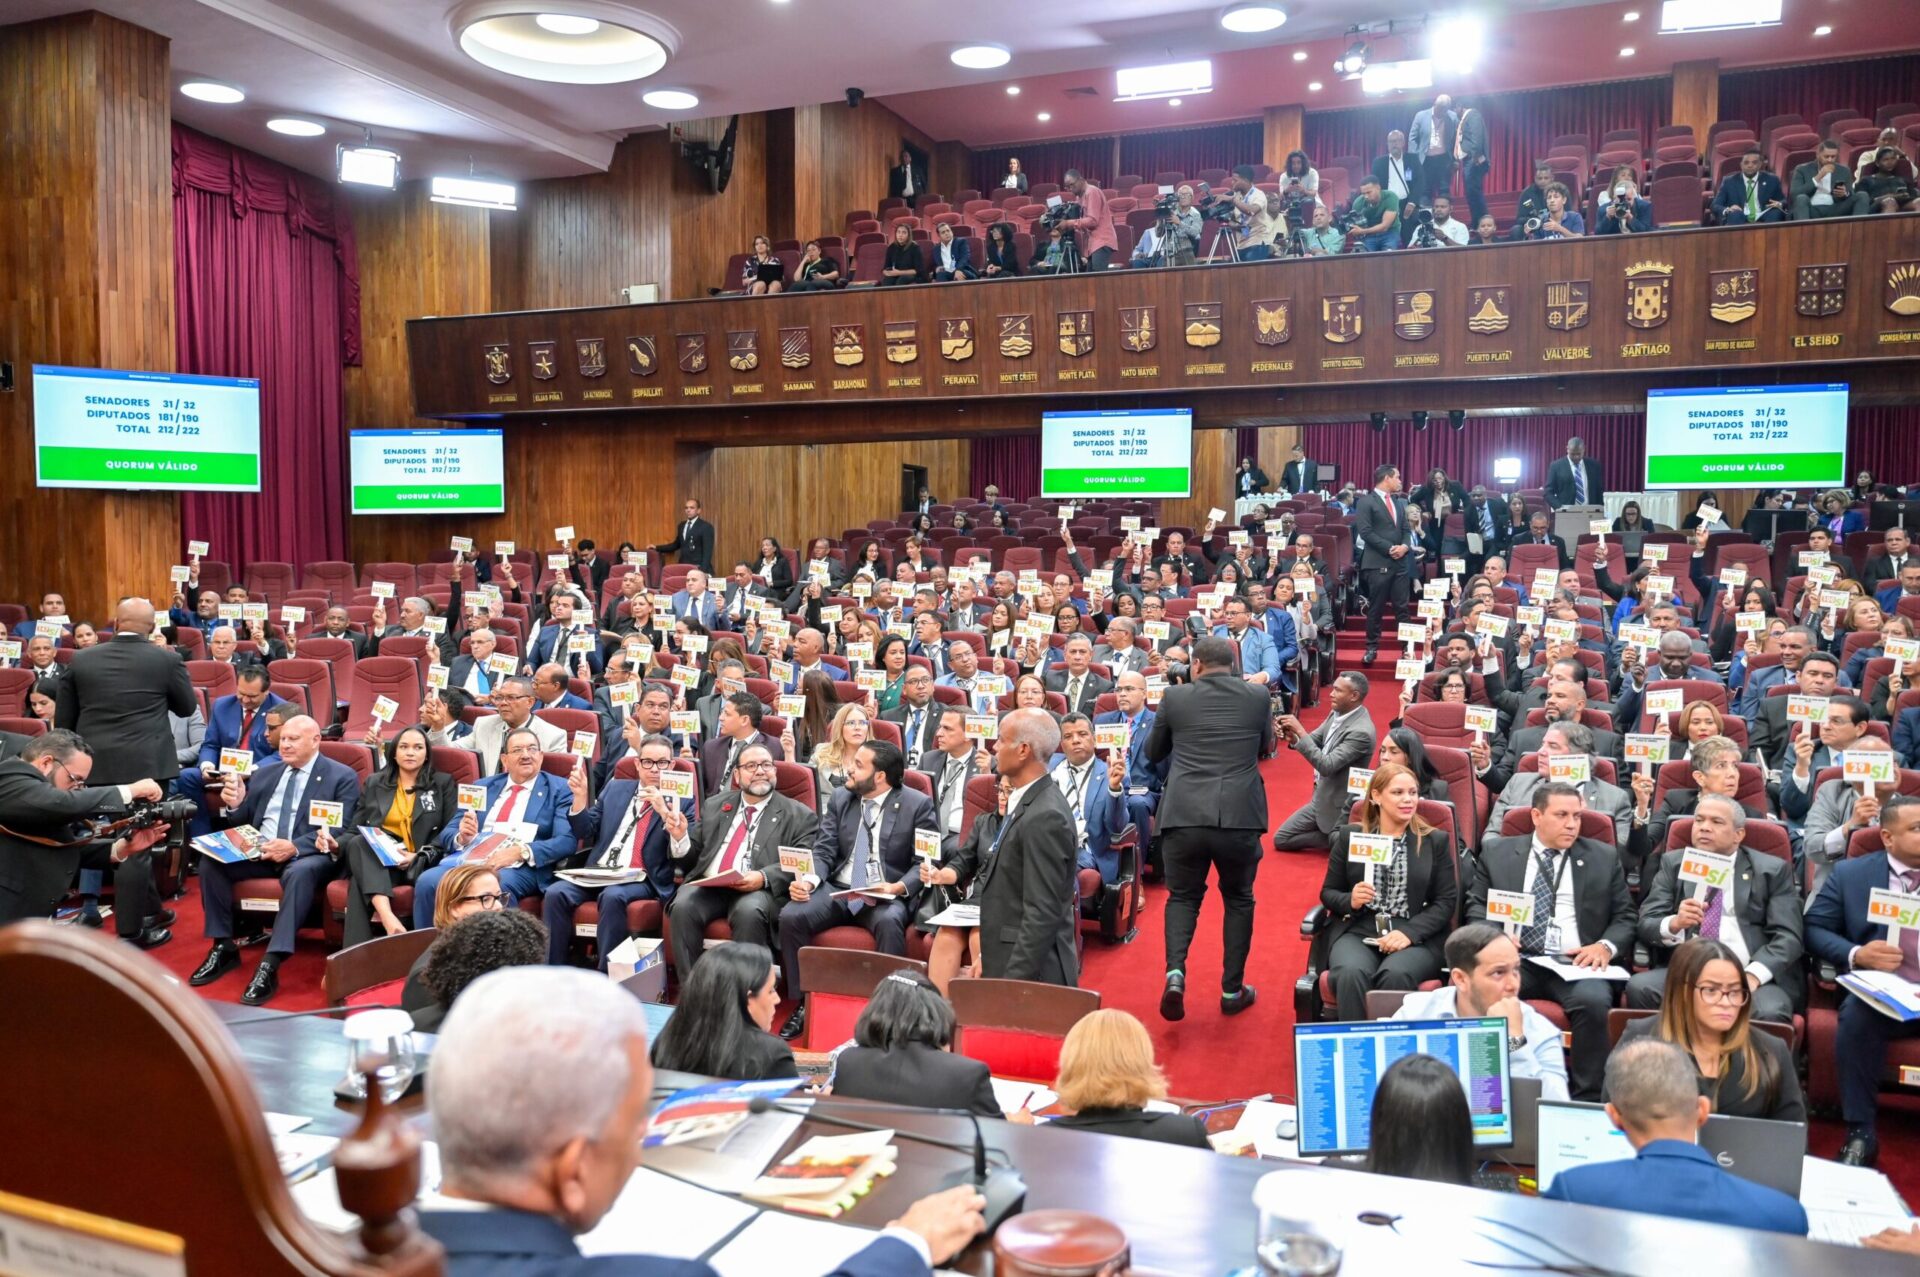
{"x": 693, "y": 539}
{"x": 1212, "y": 732}
{"x": 1380, "y": 520}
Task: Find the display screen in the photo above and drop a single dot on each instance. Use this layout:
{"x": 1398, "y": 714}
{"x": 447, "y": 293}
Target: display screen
{"x": 427, "y": 471}
{"x": 1145, "y": 452}
{"x": 96, "y": 428}
{"x": 1748, "y": 437}
{"x": 1338, "y": 1068}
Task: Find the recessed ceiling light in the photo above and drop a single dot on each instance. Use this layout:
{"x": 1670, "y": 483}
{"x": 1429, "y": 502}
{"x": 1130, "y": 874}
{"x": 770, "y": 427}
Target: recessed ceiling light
{"x": 1631, "y": 15}
{"x": 567, "y": 24}
{"x": 1251, "y": 19}
{"x": 670, "y": 99}
{"x": 523, "y": 45}
{"x": 296, "y": 128}
{"x": 1315, "y": 87}
{"x": 1173, "y": 101}
{"x": 1043, "y": 117}
{"x": 980, "y": 57}
{"x": 1299, "y": 55}
{"x": 1627, "y": 52}
{"x": 1013, "y": 90}
{"x": 208, "y": 91}
{"x": 1823, "y": 30}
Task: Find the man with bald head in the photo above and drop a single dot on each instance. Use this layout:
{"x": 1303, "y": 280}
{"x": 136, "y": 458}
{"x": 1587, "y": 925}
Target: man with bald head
{"x": 1566, "y": 703}
{"x": 277, "y": 802}
{"x": 117, "y": 696}
{"x": 1145, "y": 778}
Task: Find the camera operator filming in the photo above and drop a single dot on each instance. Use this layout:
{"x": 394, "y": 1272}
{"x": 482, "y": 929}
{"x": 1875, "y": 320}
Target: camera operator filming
{"x": 1372, "y": 222}
{"x": 1623, "y": 211}
{"x": 1258, "y": 227}
{"x": 1438, "y": 227}
{"x": 44, "y": 838}
{"x": 1174, "y": 237}
{"x": 1091, "y": 223}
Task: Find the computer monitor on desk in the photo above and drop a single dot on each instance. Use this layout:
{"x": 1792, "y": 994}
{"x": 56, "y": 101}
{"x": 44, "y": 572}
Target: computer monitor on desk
{"x": 1337, "y": 1068}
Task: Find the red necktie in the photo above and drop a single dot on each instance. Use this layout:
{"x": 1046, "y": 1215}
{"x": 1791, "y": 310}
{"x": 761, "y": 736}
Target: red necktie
{"x": 246, "y": 725}
{"x": 513, "y": 802}
{"x": 641, "y": 827}
{"x": 736, "y": 845}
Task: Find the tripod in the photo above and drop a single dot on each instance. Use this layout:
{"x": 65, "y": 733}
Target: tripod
{"x": 1070, "y": 260}
{"x": 1227, "y": 232}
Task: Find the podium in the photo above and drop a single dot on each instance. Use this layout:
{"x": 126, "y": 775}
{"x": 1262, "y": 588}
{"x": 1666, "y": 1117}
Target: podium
{"x": 1571, "y": 522}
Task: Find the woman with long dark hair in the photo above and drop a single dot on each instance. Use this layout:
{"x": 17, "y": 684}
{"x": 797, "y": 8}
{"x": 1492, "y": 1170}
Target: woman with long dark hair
{"x": 409, "y": 802}
{"x": 901, "y": 1052}
{"x": 720, "y": 1027}
{"x": 1403, "y": 745}
{"x": 772, "y": 567}
{"x": 1421, "y": 1126}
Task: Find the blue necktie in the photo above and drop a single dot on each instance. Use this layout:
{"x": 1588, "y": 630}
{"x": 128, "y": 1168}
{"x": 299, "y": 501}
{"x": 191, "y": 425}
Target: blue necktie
{"x": 283, "y": 810}
{"x": 1486, "y": 521}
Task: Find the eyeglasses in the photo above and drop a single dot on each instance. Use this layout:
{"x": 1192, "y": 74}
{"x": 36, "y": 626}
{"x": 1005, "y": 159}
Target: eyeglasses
{"x": 754, "y": 767}
{"x": 522, "y": 749}
{"x": 1725, "y": 994}
{"x": 654, "y": 764}
{"x": 487, "y": 900}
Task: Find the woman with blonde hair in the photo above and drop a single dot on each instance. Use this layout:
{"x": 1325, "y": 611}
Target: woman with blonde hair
{"x": 852, "y": 727}
{"x": 1388, "y": 917}
{"x": 1108, "y": 1077}
{"x": 467, "y": 889}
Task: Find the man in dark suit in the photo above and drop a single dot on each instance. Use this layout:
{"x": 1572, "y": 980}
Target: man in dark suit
{"x": 42, "y": 796}
{"x": 546, "y": 1031}
{"x": 413, "y": 624}
{"x": 1581, "y": 914}
{"x": 1398, "y": 174}
{"x": 1750, "y": 195}
{"x": 1380, "y": 520}
{"x": 1757, "y": 915}
{"x": 1470, "y": 153}
{"x": 1566, "y": 702}
{"x": 550, "y": 690}
{"x": 907, "y": 180}
{"x": 1822, "y": 187}
{"x": 554, "y": 644}
{"x": 740, "y": 594}
{"x": 738, "y": 726}
{"x": 1574, "y": 479}
{"x": 1146, "y": 779}
{"x": 1179, "y": 559}
{"x": 1485, "y": 516}
{"x": 693, "y": 540}
{"x": 469, "y": 672}
{"x": 1344, "y": 740}
{"x": 629, "y": 827}
{"x": 1075, "y": 679}
{"x": 526, "y": 804}
{"x": 278, "y": 802}
{"x": 1026, "y": 886}
{"x": 1840, "y": 934}
{"x": 918, "y": 715}
{"x": 1212, "y": 732}
{"x": 1883, "y": 569}
{"x": 1540, "y": 532}
{"x": 865, "y": 844}
{"x": 338, "y": 624}
{"x": 1299, "y": 474}
{"x": 238, "y": 721}
{"x": 117, "y": 696}
{"x": 741, "y": 828}
{"x": 1654, "y": 1099}
{"x": 952, "y": 257}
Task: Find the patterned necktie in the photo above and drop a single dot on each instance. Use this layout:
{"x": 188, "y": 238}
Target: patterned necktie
{"x": 1073, "y": 693}
{"x": 1711, "y": 916}
{"x": 1579, "y": 485}
{"x": 1533, "y": 937}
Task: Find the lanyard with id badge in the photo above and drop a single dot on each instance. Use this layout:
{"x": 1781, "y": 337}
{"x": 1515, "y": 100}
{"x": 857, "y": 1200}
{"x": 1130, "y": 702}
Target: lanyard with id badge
{"x": 1555, "y": 942}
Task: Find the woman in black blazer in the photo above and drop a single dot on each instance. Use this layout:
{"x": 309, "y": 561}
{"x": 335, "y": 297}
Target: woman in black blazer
{"x": 411, "y": 802}
{"x": 1107, "y": 1077}
{"x": 1385, "y": 930}
{"x": 720, "y": 1027}
{"x": 1003, "y": 255}
{"x": 900, "y": 1052}
{"x": 1746, "y": 1073}
{"x": 1402, "y": 745}
{"x": 772, "y": 567}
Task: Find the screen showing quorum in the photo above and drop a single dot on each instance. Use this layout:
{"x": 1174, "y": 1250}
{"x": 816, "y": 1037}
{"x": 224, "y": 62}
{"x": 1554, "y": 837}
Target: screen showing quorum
{"x": 428, "y": 471}
{"x": 1748, "y": 437}
{"x": 1142, "y": 452}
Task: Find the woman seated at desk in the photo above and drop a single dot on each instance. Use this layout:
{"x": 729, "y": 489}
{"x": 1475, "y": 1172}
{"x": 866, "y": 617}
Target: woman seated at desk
{"x": 1108, "y": 1076}
{"x": 720, "y": 1027}
{"x": 901, "y": 1052}
{"x": 485, "y": 941}
{"x": 466, "y": 890}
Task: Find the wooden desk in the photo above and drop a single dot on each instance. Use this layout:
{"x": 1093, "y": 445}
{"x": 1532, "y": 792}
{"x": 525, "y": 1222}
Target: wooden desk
{"x": 1186, "y": 1211}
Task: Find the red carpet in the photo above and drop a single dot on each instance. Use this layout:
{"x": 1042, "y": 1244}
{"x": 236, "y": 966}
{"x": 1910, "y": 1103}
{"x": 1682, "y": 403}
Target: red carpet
{"x": 1206, "y": 1056}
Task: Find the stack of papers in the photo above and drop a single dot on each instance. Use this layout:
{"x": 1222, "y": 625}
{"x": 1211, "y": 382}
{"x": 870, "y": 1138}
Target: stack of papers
{"x": 1884, "y": 992}
{"x": 602, "y": 877}
{"x": 1846, "y": 1203}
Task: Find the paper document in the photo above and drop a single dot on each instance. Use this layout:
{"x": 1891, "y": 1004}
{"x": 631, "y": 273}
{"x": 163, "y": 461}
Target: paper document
{"x": 701, "y": 1220}
{"x": 1013, "y": 1096}
{"x": 871, "y": 893}
{"x": 1260, "y": 1120}
{"x": 777, "y": 1243}
{"x": 956, "y": 916}
{"x": 1884, "y": 992}
{"x": 1567, "y": 971}
{"x": 601, "y": 877}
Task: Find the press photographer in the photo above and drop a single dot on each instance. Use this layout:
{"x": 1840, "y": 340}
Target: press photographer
{"x": 1174, "y": 237}
{"x": 1093, "y": 226}
{"x": 1258, "y": 227}
{"x": 1625, "y": 212}
{"x": 46, "y": 835}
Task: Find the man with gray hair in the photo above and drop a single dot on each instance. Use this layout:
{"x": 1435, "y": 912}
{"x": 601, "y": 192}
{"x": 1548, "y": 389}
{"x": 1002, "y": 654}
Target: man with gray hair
{"x": 519, "y": 1182}
{"x": 514, "y": 699}
{"x": 1756, "y": 913}
{"x": 1572, "y": 741}
{"x": 414, "y": 612}
{"x": 1655, "y": 1101}
{"x": 1026, "y": 887}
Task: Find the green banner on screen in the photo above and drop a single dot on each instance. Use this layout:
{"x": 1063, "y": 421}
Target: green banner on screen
{"x": 1100, "y": 483}
{"x": 134, "y": 469}
{"x": 437, "y": 497}
{"x": 1788, "y": 469}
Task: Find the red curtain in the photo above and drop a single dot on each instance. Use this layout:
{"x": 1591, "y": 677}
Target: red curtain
{"x": 266, "y": 285}
{"x": 1008, "y": 462}
{"x": 1521, "y": 125}
{"x": 1046, "y": 161}
{"x": 1190, "y": 150}
{"x": 1809, "y": 91}
{"x": 1882, "y": 440}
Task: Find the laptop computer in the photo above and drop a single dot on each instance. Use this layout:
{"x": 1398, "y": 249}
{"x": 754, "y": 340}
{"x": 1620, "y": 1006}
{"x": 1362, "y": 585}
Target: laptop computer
{"x": 1757, "y": 1149}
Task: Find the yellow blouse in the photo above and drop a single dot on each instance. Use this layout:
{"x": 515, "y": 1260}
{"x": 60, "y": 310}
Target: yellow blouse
{"x": 399, "y": 821}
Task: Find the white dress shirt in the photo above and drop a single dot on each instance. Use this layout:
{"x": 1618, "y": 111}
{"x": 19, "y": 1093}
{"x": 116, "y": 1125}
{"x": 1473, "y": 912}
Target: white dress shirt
{"x": 1565, "y": 914}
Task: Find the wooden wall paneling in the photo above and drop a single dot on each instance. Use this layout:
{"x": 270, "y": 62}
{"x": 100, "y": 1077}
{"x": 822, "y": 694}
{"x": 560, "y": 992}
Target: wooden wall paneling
{"x": 1213, "y": 465}
{"x": 858, "y": 148}
{"x": 1696, "y": 96}
{"x": 581, "y": 239}
{"x": 706, "y": 229}
{"x": 1276, "y": 445}
{"x": 1284, "y": 130}
{"x": 86, "y": 196}
{"x": 506, "y": 255}
{"x": 952, "y": 167}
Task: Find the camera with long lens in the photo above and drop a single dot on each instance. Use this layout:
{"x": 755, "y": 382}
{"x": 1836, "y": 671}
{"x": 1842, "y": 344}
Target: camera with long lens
{"x": 1215, "y": 209}
{"x": 145, "y": 814}
{"x": 1423, "y": 236}
{"x": 1059, "y": 213}
{"x": 1167, "y": 205}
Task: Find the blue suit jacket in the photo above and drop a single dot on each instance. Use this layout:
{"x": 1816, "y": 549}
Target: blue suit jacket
{"x": 833, "y": 672}
{"x": 569, "y": 701}
{"x": 1733, "y": 194}
{"x": 511, "y": 1243}
{"x": 1906, "y": 736}
{"x": 1106, "y": 814}
{"x": 1257, "y": 653}
{"x": 1888, "y": 599}
{"x": 962, "y": 257}
{"x": 549, "y": 648}
{"x": 596, "y": 826}
{"x": 327, "y": 780}
{"x": 1837, "y": 918}
{"x": 708, "y": 613}
{"x": 223, "y": 729}
{"x": 1141, "y": 770}
{"x": 547, "y": 808}
{"x": 1682, "y": 1180}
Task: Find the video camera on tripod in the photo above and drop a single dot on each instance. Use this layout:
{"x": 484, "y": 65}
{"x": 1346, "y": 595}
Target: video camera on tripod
{"x": 1063, "y": 212}
{"x": 1423, "y": 236}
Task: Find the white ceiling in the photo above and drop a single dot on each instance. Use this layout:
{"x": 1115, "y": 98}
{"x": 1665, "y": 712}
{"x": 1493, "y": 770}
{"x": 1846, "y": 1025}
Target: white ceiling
{"x": 395, "y": 65}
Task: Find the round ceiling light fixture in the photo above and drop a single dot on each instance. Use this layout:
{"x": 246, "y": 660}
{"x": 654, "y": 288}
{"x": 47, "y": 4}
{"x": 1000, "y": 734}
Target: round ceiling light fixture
{"x": 670, "y": 99}
{"x": 212, "y": 91}
{"x": 1044, "y": 116}
{"x": 1252, "y": 19}
{"x": 293, "y": 127}
{"x": 980, "y": 57}
{"x": 563, "y": 48}
{"x": 1013, "y": 90}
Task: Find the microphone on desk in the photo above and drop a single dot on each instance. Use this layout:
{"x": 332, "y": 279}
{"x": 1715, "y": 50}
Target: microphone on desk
{"x": 1002, "y": 1186}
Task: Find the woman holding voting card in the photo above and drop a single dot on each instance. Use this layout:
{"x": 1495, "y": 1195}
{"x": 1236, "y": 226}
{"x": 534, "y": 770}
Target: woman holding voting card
{"x": 389, "y": 838}
{"x": 1390, "y": 893}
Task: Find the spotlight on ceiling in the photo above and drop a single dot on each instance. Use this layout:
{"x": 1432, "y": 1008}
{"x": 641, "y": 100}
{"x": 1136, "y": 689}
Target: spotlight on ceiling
{"x": 1353, "y": 62}
{"x": 1456, "y": 419}
{"x": 1378, "y": 420}
{"x": 1419, "y": 420}
{"x": 670, "y": 99}
{"x": 210, "y": 91}
{"x": 365, "y": 164}
{"x": 295, "y": 127}
{"x": 1252, "y": 19}
{"x": 980, "y": 57}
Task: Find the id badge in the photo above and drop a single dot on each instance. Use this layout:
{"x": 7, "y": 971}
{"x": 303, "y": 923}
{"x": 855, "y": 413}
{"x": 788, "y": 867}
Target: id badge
{"x": 1553, "y": 939}
{"x": 1137, "y": 791}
